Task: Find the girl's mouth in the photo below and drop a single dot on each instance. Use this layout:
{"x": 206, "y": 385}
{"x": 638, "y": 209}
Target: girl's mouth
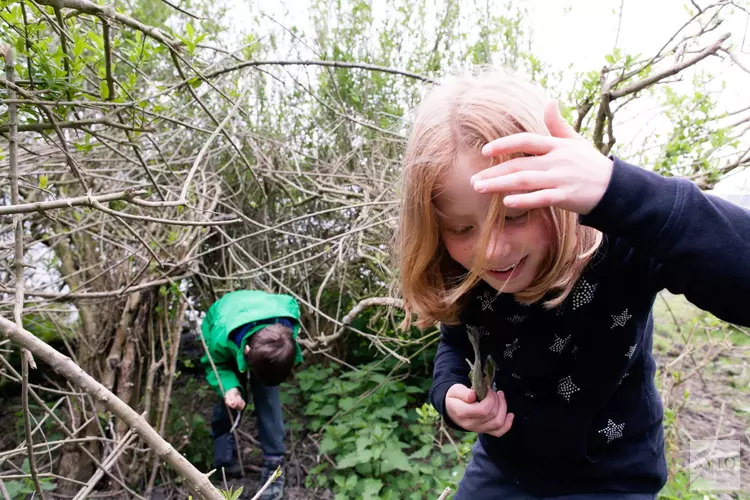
{"x": 506, "y": 273}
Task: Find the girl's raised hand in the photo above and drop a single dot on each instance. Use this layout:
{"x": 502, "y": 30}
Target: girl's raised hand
{"x": 566, "y": 171}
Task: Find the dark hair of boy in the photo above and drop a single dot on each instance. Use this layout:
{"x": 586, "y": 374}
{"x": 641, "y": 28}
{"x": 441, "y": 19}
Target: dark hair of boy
{"x": 271, "y": 354}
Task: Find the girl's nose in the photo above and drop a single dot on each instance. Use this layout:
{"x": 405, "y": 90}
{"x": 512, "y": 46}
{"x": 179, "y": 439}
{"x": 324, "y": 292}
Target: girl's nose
{"x": 497, "y": 248}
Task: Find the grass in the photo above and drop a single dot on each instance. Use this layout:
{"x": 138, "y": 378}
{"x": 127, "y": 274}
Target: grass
{"x": 705, "y": 383}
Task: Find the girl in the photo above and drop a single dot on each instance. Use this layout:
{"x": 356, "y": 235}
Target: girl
{"x": 515, "y": 228}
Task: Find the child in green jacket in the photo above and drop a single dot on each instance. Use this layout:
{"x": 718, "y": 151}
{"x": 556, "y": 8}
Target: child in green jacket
{"x": 251, "y": 335}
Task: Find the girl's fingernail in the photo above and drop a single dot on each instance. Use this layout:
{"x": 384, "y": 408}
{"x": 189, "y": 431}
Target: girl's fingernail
{"x": 474, "y": 178}
{"x": 486, "y": 149}
{"x": 480, "y": 185}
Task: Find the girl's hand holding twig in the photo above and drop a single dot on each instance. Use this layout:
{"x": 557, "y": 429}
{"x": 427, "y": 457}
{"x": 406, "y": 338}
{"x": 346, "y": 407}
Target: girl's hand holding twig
{"x": 488, "y": 416}
{"x": 565, "y": 170}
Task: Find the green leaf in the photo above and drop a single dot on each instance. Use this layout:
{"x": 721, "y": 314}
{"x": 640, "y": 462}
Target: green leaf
{"x": 43, "y": 181}
{"x": 394, "y": 458}
{"x": 354, "y": 458}
{"x": 103, "y": 89}
{"x": 327, "y": 445}
{"x": 371, "y": 488}
{"x": 79, "y": 46}
{"x": 610, "y": 59}
{"x": 190, "y": 31}
{"x": 346, "y": 403}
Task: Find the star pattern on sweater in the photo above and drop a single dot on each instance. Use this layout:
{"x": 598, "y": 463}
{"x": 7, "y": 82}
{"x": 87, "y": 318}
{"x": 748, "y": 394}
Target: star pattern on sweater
{"x": 574, "y": 351}
{"x": 567, "y": 388}
{"x": 612, "y": 431}
{"x": 583, "y": 293}
{"x": 487, "y": 299}
{"x": 623, "y": 378}
{"x": 517, "y": 319}
{"x": 530, "y": 394}
{"x": 620, "y": 319}
{"x": 515, "y": 376}
{"x": 510, "y": 349}
{"x": 631, "y": 351}
{"x": 559, "y": 345}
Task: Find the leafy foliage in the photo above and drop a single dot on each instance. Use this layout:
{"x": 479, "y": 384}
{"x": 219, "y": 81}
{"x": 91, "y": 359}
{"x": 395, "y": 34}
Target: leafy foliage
{"x": 379, "y": 439}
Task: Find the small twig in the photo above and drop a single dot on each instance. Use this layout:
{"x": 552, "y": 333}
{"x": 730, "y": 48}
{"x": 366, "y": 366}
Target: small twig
{"x": 4, "y": 491}
{"x": 276, "y": 474}
{"x": 179, "y": 9}
{"x": 207, "y": 144}
{"x": 126, "y": 440}
{"x": 445, "y": 493}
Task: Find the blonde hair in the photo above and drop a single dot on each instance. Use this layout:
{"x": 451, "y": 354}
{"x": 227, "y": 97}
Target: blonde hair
{"x": 458, "y": 117}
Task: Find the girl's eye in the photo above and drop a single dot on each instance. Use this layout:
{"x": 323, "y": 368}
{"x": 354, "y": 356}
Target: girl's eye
{"x": 517, "y": 218}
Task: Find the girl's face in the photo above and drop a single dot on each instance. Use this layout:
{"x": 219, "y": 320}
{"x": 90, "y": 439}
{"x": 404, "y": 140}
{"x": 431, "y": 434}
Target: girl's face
{"x": 515, "y": 252}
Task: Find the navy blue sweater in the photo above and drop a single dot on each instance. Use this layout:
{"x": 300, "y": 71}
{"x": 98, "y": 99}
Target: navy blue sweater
{"x": 580, "y": 378}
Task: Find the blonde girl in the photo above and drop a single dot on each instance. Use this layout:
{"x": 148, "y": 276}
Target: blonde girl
{"x": 514, "y": 228}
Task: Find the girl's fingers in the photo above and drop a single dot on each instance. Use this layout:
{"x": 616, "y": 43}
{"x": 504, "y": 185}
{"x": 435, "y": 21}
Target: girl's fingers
{"x": 536, "y": 199}
{"x": 528, "y": 180}
{"x": 498, "y": 408}
{"x": 503, "y": 428}
{"x": 524, "y": 142}
{"x": 513, "y": 165}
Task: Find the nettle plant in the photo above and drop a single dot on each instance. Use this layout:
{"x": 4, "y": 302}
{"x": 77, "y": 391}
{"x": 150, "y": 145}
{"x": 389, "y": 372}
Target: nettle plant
{"x": 378, "y": 437}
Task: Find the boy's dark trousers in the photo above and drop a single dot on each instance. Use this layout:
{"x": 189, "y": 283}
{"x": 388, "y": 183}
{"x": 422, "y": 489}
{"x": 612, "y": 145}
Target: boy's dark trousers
{"x": 270, "y": 425}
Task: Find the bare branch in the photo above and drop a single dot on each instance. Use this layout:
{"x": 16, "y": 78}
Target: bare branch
{"x": 373, "y": 301}
{"x": 80, "y": 124}
{"x": 100, "y": 295}
{"x": 26, "y": 358}
{"x": 88, "y": 200}
{"x": 673, "y": 70}
{"x": 88, "y": 7}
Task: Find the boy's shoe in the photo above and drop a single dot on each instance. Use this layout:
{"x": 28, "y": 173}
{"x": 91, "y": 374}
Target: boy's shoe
{"x": 275, "y": 490}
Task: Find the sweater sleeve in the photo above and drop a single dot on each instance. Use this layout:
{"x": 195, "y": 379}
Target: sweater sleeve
{"x": 699, "y": 245}
{"x": 450, "y": 367}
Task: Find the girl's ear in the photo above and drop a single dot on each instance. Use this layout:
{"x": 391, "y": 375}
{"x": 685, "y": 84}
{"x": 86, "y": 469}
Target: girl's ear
{"x": 247, "y": 349}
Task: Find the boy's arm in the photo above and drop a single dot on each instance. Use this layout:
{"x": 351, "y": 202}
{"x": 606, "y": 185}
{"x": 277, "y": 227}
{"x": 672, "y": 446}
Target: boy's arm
{"x": 699, "y": 244}
{"x": 225, "y": 373}
{"x": 450, "y": 366}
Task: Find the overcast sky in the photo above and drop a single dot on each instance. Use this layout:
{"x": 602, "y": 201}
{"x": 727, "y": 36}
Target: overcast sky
{"x": 582, "y": 32}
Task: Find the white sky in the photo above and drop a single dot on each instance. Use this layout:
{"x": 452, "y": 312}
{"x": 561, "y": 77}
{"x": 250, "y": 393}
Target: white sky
{"x": 582, "y": 32}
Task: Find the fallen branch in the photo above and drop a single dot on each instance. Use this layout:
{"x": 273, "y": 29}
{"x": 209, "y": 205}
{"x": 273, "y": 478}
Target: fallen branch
{"x": 64, "y": 366}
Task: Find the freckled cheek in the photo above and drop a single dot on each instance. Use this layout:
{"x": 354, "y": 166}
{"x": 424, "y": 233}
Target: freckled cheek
{"x": 460, "y": 251}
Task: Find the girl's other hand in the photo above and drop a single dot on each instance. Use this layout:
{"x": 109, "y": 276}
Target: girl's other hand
{"x": 488, "y": 416}
{"x": 566, "y": 171}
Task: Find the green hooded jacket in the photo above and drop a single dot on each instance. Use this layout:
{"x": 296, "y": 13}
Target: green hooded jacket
{"x": 232, "y": 311}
